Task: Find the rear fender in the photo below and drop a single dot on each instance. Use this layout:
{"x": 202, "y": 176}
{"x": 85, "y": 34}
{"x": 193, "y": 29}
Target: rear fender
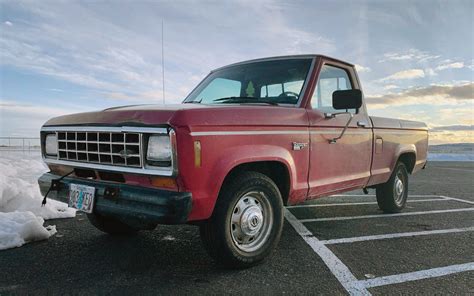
{"x": 402, "y": 149}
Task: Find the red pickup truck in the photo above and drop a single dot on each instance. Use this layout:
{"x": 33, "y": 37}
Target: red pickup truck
{"x": 251, "y": 138}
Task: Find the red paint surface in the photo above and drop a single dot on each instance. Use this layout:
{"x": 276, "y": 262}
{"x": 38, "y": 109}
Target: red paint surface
{"x": 318, "y": 170}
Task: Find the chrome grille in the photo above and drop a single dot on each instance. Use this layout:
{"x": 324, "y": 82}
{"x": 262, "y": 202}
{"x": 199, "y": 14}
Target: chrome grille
{"x": 110, "y": 148}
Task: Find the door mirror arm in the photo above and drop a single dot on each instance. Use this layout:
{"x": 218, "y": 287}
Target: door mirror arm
{"x": 333, "y": 115}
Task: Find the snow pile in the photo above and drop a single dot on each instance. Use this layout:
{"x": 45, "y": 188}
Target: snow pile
{"x": 18, "y": 228}
{"x": 21, "y": 214}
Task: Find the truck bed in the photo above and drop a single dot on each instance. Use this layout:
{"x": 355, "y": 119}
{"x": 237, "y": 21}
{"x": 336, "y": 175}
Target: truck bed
{"x": 392, "y": 123}
{"x": 394, "y": 137}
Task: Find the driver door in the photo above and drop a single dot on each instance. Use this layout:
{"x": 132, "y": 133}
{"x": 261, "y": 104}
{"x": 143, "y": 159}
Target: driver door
{"x": 343, "y": 165}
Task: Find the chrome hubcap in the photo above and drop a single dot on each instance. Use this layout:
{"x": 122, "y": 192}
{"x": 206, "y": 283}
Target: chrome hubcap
{"x": 251, "y": 221}
{"x": 399, "y": 189}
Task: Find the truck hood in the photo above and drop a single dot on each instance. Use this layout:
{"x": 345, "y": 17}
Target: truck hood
{"x": 186, "y": 115}
{"x": 133, "y": 115}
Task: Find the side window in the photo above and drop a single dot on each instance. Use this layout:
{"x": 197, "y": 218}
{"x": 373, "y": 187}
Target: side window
{"x": 274, "y": 90}
{"x": 330, "y": 79}
{"x": 219, "y": 88}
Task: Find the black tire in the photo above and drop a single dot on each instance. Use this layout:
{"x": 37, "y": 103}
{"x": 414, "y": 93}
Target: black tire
{"x": 111, "y": 225}
{"x": 251, "y": 191}
{"x": 392, "y": 198}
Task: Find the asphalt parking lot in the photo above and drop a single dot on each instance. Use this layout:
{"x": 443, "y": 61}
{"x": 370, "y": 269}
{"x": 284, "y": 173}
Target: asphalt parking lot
{"x": 335, "y": 245}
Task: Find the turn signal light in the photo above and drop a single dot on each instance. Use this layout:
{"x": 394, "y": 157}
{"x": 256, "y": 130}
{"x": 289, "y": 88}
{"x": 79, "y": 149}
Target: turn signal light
{"x": 164, "y": 182}
{"x": 197, "y": 154}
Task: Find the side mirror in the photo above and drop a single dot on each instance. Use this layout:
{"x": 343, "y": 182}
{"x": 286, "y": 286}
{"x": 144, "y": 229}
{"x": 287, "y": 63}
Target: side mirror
{"x": 347, "y": 99}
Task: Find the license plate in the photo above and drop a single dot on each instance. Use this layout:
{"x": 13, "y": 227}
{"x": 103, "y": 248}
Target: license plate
{"x": 81, "y": 197}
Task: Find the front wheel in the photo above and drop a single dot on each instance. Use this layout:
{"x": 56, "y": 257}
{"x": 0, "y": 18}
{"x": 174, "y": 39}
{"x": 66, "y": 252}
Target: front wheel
{"x": 392, "y": 195}
{"x": 247, "y": 221}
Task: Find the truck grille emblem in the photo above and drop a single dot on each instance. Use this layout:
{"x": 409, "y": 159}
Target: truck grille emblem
{"x": 125, "y": 153}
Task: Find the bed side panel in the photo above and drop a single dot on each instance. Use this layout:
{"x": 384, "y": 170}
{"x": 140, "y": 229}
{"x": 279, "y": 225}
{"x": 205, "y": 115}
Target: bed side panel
{"x": 392, "y": 138}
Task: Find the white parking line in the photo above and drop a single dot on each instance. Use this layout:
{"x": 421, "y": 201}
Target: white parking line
{"x": 458, "y": 199}
{"x": 373, "y": 195}
{"x": 342, "y": 272}
{"x": 417, "y": 275}
{"x": 335, "y": 265}
{"x": 394, "y": 235}
{"x": 359, "y": 203}
{"x": 386, "y": 215}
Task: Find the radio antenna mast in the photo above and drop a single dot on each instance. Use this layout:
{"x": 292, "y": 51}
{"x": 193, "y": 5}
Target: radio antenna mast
{"x": 163, "y": 58}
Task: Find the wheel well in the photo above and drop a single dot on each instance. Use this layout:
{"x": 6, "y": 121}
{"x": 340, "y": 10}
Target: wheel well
{"x": 409, "y": 160}
{"x": 275, "y": 170}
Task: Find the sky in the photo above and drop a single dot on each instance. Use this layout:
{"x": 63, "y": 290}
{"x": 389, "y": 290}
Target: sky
{"x": 414, "y": 58}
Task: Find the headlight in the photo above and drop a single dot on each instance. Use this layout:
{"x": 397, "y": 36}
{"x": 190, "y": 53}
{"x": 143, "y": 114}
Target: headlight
{"x": 51, "y": 145}
{"x": 159, "y": 150}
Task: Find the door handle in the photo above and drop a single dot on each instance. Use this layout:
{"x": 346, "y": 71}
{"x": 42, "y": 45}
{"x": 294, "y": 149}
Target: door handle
{"x": 361, "y": 123}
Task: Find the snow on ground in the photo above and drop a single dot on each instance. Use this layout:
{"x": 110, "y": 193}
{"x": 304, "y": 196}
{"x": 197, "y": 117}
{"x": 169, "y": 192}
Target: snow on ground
{"x": 21, "y": 214}
{"x": 18, "y": 228}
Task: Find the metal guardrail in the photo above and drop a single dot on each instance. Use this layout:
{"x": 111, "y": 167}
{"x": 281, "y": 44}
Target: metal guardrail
{"x": 19, "y": 143}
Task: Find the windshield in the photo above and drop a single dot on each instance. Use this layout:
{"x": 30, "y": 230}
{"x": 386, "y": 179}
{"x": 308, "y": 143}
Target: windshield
{"x": 268, "y": 82}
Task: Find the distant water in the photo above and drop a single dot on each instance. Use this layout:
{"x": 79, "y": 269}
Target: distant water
{"x": 450, "y": 156}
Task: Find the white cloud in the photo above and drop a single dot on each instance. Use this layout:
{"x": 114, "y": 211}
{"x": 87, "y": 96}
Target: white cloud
{"x": 430, "y": 72}
{"x": 471, "y": 66}
{"x": 8, "y": 23}
{"x": 406, "y": 74}
{"x": 455, "y": 65}
{"x": 447, "y": 64}
{"x": 75, "y": 43}
{"x": 412, "y": 54}
{"x": 390, "y": 86}
{"x": 429, "y": 95}
{"x": 362, "y": 69}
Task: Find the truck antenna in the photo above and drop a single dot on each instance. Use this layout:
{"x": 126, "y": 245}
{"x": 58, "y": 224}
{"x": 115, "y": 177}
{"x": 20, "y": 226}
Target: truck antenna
{"x": 163, "y": 58}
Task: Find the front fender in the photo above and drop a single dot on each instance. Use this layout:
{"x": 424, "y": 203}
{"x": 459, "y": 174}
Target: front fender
{"x": 236, "y": 156}
{"x": 214, "y": 173}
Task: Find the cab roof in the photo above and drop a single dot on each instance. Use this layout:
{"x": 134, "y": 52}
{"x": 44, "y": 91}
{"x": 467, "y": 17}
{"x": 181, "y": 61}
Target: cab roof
{"x": 300, "y": 56}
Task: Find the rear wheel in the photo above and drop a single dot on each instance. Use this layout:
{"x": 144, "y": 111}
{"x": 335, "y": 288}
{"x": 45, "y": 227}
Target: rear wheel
{"x": 111, "y": 225}
{"x": 247, "y": 221}
{"x": 392, "y": 195}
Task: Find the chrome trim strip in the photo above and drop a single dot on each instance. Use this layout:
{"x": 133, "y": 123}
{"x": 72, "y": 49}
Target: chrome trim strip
{"x": 386, "y": 131}
{"x": 118, "y": 129}
{"x": 247, "y": 133}
{"x": 121, "y": 169}
{"x": 280, "y": 132}
{"x": 338, "y": 131}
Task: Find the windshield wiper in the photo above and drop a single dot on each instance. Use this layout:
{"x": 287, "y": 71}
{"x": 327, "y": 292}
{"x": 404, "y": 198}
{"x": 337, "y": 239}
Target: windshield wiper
{"x": 246, "y": 100}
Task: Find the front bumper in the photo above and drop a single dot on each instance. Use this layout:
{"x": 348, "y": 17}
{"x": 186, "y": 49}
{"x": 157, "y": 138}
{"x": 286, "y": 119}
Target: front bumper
{"x": 133, "y": 203}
